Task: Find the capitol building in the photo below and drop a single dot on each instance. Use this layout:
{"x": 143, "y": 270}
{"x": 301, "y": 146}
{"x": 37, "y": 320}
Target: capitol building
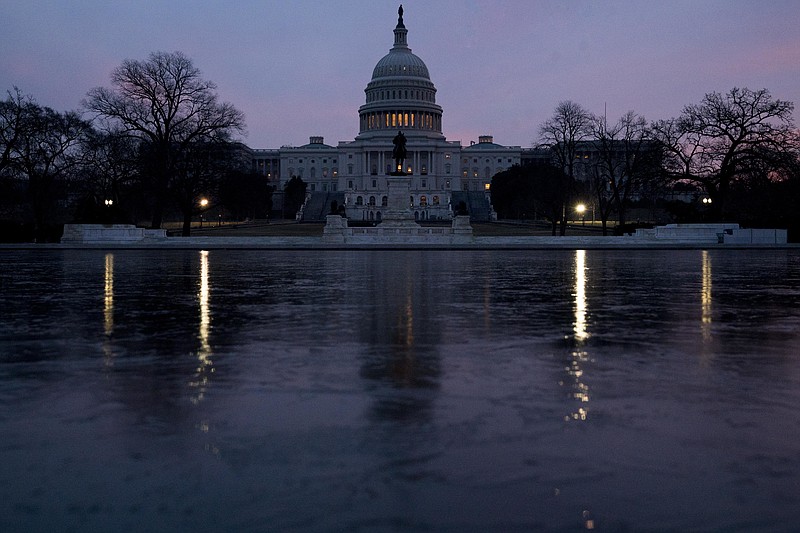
{"x": 400, "y": 97}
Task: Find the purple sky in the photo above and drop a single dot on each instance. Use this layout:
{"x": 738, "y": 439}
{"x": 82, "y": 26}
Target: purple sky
{"x": 298, "y": 69}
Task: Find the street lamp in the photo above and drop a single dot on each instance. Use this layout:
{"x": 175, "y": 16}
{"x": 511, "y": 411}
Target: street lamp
{"x": 581, "y": 210}
{"x": 108, "y": 202}
{"x": 706, "y": 201}
{"x": 203, "y": 205}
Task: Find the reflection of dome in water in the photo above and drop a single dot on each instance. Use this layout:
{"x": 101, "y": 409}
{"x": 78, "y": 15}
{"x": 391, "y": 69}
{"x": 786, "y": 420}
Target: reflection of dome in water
{"x": 401, "y": 94}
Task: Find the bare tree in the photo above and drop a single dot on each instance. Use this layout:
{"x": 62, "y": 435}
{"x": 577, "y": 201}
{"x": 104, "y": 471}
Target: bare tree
{"x": 165, "y": 102}
{"x": 628, "y": 161}
{"x": 719, "y": 140}
{"x": 48, "y": 149}
{"x": 15, "y": 113}
{"x": 570, "y": 125}
{"x": 111, "y": 166}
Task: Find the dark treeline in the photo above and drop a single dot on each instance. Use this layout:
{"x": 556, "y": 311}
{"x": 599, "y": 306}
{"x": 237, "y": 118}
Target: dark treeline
{"x": 732, "y": 157}
{"x": 157, "y": 141}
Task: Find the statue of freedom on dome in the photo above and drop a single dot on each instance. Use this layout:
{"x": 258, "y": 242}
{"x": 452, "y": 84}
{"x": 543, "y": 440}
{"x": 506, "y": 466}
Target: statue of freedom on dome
{"x": 399, "y": 153}
{"x": 400, "y": 15}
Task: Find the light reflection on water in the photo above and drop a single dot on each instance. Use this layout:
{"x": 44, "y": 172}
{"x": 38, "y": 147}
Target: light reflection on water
{"x": 301, "y": 391}
{"x": 108, "y": 307}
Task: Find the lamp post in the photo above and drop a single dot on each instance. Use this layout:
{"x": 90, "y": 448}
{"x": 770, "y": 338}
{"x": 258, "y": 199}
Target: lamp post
{"x": 581, "y": 210}
{"x": 203, "y": 205}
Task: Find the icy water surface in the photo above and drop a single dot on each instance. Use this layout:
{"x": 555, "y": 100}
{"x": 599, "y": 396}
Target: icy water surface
{"x": 399, "y": 391}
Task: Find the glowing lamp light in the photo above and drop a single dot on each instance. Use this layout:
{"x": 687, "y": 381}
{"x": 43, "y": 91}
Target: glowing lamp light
{"x": 706, "y": 201}
{"x": 203, "y": 202}
{"x": 108, "y": 203}
{"x": 580, "y": 208}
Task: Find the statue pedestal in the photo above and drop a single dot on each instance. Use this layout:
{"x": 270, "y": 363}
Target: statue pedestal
{"x": 398, "y": 212}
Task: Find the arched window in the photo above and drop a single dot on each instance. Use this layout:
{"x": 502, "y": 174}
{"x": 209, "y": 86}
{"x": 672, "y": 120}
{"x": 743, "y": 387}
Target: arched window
{"x": 487, "y": 172}
{"x": 423, "y": 201}
{"x": 384, "y": 201}
{"x": 360, "y": 200}
{"x": 371, "y": 200}
{"x": 435, "y": 200}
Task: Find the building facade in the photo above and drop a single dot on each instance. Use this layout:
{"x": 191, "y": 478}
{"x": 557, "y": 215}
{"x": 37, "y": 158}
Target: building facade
{"x": 400, "y": 97}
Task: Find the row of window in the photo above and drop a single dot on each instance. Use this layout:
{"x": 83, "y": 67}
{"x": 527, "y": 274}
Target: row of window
{"x": 423, "y": 184}
{"x": 488, "y": 160}
{"x": 313, "y": 172}
{"x": 487, "y": 173}
{"x": 377, "y": 96}
{"x": 313, "y": 161}
{"x": 401, "y": 119}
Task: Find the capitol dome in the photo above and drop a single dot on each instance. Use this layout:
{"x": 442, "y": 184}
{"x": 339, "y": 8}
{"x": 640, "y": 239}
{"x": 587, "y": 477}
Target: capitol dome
{"x": 400, "y": 95}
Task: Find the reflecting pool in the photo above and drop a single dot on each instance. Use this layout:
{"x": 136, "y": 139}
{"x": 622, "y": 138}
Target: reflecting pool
{"x": 399, "y": 391}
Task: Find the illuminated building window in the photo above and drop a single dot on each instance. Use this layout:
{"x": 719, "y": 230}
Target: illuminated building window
{"x": 487, "y": 186}
{"x": 435, "y": 200}
{"x": 423, "y": 201}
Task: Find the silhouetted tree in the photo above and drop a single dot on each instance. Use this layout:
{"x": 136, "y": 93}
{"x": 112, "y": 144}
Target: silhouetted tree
{"x": 718, "y": 141}
{"x": 570, "y": 125}
{"x": 15, "y": 113}
{"x": 530, "y": 190}
{"x": 165, "y": 102}
{"x": 246, "y": 194}
{"x": 111, "y": 164}
{"x": 45, "y": 150}
{"x": 628, "y": 163}
{"x": 513, "y": 193}
{"x": 294, "y": 194}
